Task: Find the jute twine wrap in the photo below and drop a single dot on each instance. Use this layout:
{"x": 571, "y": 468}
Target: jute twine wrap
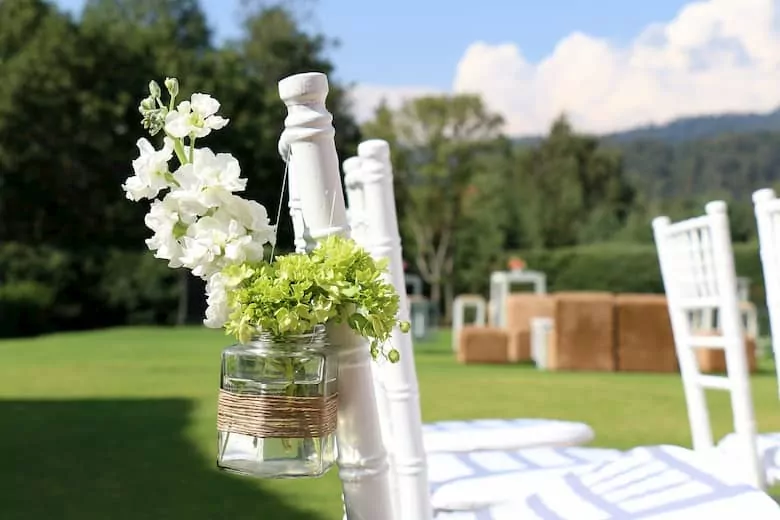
{"x": 276, "y": 416}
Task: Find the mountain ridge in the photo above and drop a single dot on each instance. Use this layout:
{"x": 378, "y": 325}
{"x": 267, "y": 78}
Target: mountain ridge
{"x": 686, "y": 129}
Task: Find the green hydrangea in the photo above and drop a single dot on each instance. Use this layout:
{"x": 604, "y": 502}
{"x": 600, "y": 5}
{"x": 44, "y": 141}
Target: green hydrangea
{"x": 338, "y": 281}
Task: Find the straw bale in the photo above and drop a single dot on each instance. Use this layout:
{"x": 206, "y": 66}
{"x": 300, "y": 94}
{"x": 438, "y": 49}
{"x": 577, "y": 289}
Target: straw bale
{"x": 584, "y": 332}
{"x": 552, "y": 353}
{"x": 521, "y": 308}
{"x": 713, "y": 361}
{"x": 483, "y": 345}
{"x": 645, "y": 342}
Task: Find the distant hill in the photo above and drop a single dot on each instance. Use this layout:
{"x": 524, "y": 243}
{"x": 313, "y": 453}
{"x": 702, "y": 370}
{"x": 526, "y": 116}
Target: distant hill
{"x": 691, "y": 128}
{"x": 702, "y": 127}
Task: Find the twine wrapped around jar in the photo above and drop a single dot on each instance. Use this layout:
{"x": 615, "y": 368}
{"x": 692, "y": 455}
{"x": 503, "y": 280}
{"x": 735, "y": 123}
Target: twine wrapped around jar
{"x": 279, "y": 387}
{"x": 277, "y": 416}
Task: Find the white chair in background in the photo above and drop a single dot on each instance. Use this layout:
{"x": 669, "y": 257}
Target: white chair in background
{"x": 697, "y": 266}
{"x": 767, "y": 209}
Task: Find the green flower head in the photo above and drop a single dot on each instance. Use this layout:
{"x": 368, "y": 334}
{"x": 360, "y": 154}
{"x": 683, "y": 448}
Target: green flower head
{"x": 338, "y": 281}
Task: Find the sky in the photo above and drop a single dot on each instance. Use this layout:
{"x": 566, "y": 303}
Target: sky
{"x": 609, "y": 64}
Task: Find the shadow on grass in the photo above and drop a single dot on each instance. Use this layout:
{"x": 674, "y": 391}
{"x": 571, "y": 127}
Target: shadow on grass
{"x": 117, "y": 460}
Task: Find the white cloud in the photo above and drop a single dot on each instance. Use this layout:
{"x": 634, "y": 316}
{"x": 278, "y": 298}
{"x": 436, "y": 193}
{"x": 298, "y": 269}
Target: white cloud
{"x": 715, "y": 56}
{"x": 365, "y": 98}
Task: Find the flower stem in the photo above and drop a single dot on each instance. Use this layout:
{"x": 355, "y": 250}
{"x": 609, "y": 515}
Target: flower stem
{"x": 178, "y": 147}
{"x": 289, "y": 391}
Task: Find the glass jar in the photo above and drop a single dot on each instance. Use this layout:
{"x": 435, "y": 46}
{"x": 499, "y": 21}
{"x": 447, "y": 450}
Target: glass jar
{"x": 277, "y": 406}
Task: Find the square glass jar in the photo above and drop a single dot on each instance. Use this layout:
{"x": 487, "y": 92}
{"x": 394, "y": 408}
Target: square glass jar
{"x": 277, "y": 406}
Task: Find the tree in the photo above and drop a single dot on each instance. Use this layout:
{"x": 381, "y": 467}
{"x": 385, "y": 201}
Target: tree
{"x": 69, "y": 110}
{"x": 438, "y": 142}
{"x": 245, "y": 74}
{"x": 63, "y": 110}
{"x": 481, "y": 236}
{"x": 572, "y": 190}
{"x": 177, "y": 26}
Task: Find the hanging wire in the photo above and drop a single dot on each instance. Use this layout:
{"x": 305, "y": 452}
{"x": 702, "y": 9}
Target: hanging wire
{"x": 281, "y": 199}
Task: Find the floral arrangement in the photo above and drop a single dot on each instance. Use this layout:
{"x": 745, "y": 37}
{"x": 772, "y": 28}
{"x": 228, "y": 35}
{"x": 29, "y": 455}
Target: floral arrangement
{"x": 200, "y": 224}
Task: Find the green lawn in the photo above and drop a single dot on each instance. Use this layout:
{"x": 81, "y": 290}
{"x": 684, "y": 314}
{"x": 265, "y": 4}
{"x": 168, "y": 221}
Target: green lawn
{"x": 120, "y": 424}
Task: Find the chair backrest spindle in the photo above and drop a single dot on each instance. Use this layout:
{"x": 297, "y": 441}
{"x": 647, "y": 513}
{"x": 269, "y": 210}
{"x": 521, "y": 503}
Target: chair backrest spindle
{"x": 767, "y": 209}
{"x": 308, "y": 142}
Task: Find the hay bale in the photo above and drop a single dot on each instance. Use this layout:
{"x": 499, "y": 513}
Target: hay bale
{"x": 713, "y": 360}
{"x": 645, "y": 342}
{"x": 521, "y": 308}
{"x": 483, "y": 345}
{"x": 552, "y": 354}
{"x": 584, "y": 332}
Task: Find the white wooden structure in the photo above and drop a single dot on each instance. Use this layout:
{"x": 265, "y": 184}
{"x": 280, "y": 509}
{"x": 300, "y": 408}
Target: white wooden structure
{"x": 398, "y": 380}
{"x": 501, "y": 283}
{"x": 307, "y": 142}
{"x": 459, "y": 306}
{"x": 356, "y": 212}
{"x": 767, "y": 209}
{"x": 357, "y": 216}
{"x": 541, "y": 329}
{"x": 697, "y": 265}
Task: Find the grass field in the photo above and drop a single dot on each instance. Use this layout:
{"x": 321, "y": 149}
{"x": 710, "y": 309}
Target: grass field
{"x": 120, "y": 424}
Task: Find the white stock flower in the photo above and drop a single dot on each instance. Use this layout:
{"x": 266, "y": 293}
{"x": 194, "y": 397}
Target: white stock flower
{"x": 252, "y": 215}
{"x": 210, "y": 177}
{"x": 216, "y": 241}
{"x": 218, "y": 310}
{"x": 189, "y": 204}
{"x": 196, "y": 117}
{"x": 163, "y": 218}
{"x": 151, "y": 170}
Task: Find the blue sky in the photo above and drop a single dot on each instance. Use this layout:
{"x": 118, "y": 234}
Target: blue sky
{"x": 420, "y": 42}
{"x": 608, "y": 64}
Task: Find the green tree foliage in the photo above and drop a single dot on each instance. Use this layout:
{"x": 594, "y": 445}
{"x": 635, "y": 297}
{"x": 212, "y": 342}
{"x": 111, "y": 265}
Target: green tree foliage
{"x": 58, "y": 129}
{"x": 572, "y": 190}
{"x": 440, "y": 144}
{"x": 69, "y": 118}
{"x": 736, "y": 164}
{"x": 244, "y": 76}
{"x": 69, "y": 122}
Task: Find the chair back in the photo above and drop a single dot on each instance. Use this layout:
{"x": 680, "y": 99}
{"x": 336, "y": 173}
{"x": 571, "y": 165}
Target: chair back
{"x": 697, "y": 266}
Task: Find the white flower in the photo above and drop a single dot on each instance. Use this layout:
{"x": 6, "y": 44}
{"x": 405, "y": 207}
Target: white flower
{"x": 218, "y": 310}
{"x": 196, "y": 117}
{"x": 163, "y": 219}
{"x": 251, "y": 214}
{"x": 216, "y": 241}
{"x": 211, "y": 176}
{"x": 151, "y": 170}
{"x": 218, "y": 286}
{"x": 189, "y": 204}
